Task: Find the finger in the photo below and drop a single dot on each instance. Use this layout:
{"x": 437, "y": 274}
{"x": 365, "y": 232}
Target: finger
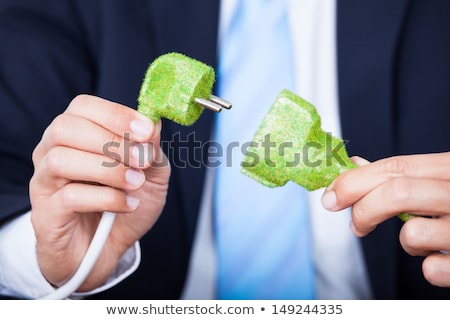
{"x": 352, "y": 185}
{"x": 79, "y": 133}
{"x": 421, "y": 236}
{"x": 359, "y": 161}
{"x": 64, "y": 165}
{"x": 400, "y": 195}
{"x": 436, "y": 269}
{"x": 113, "y": 116}
{"x": 75, "y": 198}
{"x": 84, "y": 198}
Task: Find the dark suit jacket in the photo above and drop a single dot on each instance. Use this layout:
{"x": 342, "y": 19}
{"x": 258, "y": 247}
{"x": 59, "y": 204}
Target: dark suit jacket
{"x": 394, "y": 73}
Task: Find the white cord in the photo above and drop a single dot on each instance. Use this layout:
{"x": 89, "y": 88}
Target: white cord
{"x": 89, "y": 260}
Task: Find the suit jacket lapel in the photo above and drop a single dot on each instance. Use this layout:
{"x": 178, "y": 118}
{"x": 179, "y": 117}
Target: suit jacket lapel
{"x": 368, "y": 33}
{"x": 194, "y": 33}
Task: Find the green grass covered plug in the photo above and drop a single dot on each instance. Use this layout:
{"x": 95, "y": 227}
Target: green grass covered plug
{"x": 172, "y": 83}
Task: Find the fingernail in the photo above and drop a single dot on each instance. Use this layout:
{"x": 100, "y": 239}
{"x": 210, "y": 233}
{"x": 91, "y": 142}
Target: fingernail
{"x": 134, "y": 177}
{"x": 132, "y": 202}
{"x": 329, "y": 200}
{"x": 142, "y": 128}
{"x": 140, "y": 153}
{"x": 359, "y": 161}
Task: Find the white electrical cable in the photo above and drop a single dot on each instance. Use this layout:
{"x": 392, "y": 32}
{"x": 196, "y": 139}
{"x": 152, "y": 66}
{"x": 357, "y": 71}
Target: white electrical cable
{"x": 89, "y": 260}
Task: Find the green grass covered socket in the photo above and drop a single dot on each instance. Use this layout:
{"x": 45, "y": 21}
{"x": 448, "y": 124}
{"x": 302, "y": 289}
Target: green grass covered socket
{"x": 291, "y": 145}
{"x": 301, "y": 151}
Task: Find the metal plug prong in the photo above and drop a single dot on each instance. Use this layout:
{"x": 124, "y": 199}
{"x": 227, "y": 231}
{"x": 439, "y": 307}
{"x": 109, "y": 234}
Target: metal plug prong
{"x": 214, "y": 103}
{"x": 207, "y": 104}
{"x": 224, "y": 103}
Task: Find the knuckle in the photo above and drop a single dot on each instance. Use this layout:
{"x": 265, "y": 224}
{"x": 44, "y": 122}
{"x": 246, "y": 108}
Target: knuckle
{"x": 36, "y": 155}
{"x": 412, "y": 236}
{"x": 397, "y": 166}
{"x": 54, "y": 161}
{"x": 69, "y": 196}
{"x": 32, "y": 185}
{"x": 78, "y": 102}
{"x": 57, "y": 131}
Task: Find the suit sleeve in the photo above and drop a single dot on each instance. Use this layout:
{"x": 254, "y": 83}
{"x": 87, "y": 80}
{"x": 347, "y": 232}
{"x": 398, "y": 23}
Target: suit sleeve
{"x": 44, "y": 63}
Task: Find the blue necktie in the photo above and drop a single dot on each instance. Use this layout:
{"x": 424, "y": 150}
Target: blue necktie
{"x": 262, "y": 235}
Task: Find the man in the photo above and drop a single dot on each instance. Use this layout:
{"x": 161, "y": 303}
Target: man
{"x": 393, "y": 67}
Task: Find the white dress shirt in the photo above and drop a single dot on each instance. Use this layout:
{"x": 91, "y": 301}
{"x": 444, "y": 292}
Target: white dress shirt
{"x": 20, "y": 275}
{"x": 340, "y": 269}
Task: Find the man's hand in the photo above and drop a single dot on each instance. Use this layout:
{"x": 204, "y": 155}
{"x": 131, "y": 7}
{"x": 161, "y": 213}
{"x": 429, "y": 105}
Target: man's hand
{"x": 417, "y": 184}
{"x": 97, "y": 156}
